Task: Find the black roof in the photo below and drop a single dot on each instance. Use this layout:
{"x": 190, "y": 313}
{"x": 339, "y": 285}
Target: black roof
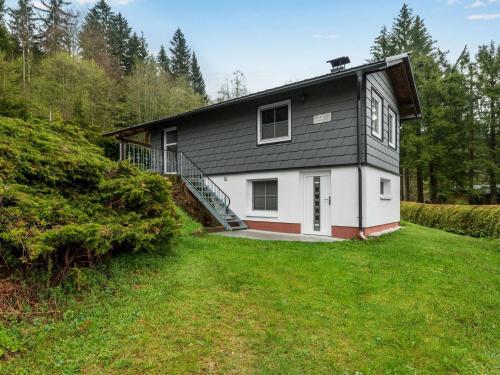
{"x": 366, "y": 68}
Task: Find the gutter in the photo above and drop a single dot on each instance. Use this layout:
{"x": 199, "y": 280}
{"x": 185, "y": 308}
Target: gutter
{"x": 360, "y": 81}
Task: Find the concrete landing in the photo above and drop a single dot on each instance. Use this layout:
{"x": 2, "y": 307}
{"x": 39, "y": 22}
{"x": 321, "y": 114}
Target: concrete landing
{"x": 273, "y": 236}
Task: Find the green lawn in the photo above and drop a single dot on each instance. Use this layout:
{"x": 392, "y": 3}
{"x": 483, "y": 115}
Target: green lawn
{"x": 415, "y": 301}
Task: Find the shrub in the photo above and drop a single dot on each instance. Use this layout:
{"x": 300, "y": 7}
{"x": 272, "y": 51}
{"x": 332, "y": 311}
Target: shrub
{"x": 478, "y": 221}
{"x": 62, "y": 202}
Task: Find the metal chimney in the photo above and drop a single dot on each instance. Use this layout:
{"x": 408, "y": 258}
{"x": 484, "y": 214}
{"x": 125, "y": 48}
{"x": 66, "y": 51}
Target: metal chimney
{"x": 339, "y": 63}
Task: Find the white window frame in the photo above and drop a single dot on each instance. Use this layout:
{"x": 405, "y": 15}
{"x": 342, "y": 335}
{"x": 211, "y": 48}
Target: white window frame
{"x": 260, "y": 213}
{"x": 379, "y": 134}
{"x": 393, "y": 128}
{"x": 261, "y": 108}
{"x": 165, "y": 145}
{"x": 387, "y": 193}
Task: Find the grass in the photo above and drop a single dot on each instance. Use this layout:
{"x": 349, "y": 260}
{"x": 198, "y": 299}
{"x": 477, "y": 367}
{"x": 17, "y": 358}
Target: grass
{"x": 416, "y": 301}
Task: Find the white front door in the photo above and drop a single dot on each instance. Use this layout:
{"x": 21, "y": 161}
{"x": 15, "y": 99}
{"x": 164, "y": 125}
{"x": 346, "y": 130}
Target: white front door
{"x": 317, "y": 201}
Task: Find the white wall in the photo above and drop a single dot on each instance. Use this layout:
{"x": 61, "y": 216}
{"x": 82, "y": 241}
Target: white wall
{"x": 238, "y": 188}
{"x": 344, "y": 185}
{"x": 379, "y": 211}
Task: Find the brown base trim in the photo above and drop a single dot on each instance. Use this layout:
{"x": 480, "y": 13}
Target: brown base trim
{"x": 353, "y": 232}
{"x": 380, "y": 228}
{"x": 345, "y": 232}
{"x": 273, "y": 226}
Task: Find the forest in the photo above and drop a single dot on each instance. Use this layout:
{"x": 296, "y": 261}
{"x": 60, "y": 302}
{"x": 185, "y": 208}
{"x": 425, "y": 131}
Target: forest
{"x": 94, "y": 71}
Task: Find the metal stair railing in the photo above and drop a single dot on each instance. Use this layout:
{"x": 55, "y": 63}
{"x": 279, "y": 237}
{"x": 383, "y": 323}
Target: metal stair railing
{"x": 194, "y": 176}
{"x": 171, "y": 162}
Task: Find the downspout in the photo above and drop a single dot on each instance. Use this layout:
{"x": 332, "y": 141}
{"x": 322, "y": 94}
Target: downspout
{"x": 360, "y": 77}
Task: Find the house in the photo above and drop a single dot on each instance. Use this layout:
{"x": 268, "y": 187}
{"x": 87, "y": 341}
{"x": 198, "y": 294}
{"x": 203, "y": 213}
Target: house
{"x": 319, "y": 156}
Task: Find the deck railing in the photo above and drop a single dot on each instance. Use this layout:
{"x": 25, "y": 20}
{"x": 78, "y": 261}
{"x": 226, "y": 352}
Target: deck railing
{"x": 150, "y": 159}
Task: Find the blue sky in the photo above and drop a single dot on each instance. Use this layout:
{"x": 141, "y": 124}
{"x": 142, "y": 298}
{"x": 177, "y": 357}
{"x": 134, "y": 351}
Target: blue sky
{"x": 274, "y": 42}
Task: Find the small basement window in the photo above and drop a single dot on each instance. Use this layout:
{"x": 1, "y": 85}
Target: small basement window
{"x": 377, "y": 115}
{"x": 265, "y": 195}
{"x": 385, "y": 188}
{"x": 274, "y": 122}
{"x": 393, "y": 121}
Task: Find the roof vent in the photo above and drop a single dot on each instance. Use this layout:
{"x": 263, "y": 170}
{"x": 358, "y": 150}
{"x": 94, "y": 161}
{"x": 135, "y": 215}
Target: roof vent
{"x": 339, "y": 63}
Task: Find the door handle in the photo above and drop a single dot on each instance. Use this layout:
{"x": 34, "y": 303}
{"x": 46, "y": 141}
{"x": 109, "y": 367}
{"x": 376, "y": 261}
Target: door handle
{"x": 329, "y": 199}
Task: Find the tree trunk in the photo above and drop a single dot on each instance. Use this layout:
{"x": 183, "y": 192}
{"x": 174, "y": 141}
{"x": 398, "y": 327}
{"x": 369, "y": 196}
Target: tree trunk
{"x": 407, "y": 184}
{"x": 493, "y": 151}
{"x": 24, "y": 69}
{"x": 433, "y": 184}
{"x": 420, "y": 174}
{"x": 401, "y": 187}
{"x": 470, "y": 172}
{"x": 420, "y": 184}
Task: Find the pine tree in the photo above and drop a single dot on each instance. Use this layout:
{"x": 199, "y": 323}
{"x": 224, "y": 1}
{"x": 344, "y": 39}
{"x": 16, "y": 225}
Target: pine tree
{"x": 22, "y": 25}
{"x": 488, "y": 85}
{"x": 94, "y": 34}
{"x": 382, "y": 46}
{"x": 197, "y": 81}
{"x": 421, "y": 42}
{"x": 56, "y": 25}
{"x": 100, "y": 16}
{"x": 142, "y": 51}
{"x": 180, "y": 62}
{"x": 402, "y": 30}
{"x": 118, "y": 40}
{"x": 137, "y": 51}
{"x": 163, "y": 60}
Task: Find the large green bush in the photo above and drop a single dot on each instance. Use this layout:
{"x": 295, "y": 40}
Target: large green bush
{"x": 62, "y": 202}
{"x": 478, "y": 221}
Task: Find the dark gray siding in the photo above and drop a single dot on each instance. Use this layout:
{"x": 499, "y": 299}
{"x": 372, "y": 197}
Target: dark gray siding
{"x": 378, "y": 152}
{"x": 225, "y": 140}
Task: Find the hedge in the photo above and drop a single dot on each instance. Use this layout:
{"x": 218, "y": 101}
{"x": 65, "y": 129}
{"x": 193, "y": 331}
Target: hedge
{"x": 477, "y": 221}
{"x": 64, "y": 204}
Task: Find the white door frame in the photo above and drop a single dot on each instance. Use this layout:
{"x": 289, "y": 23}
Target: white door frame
{"x": 165, "y": 144}
{"x": 327, "y": 222}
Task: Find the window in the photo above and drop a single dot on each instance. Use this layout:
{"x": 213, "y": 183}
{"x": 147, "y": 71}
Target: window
{"x": 385, "y": 188}
{"x": 377, "y": 115}
{"x": 392, "y": 128}
{"x": 265, "y": 195}
{"x": 274, "y": 122}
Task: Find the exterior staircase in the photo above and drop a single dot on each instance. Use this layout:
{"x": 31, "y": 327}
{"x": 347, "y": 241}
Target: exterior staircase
{"x": 211, "y": 196}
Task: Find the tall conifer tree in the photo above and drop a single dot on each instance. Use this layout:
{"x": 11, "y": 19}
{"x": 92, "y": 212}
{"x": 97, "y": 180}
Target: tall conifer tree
{"x": 118, "y": 40}
{"x": 163, "y": 60}
{"x": 197, "y": 81}
{"x": 180, "y": 62}
{"x": 488, "y": 85}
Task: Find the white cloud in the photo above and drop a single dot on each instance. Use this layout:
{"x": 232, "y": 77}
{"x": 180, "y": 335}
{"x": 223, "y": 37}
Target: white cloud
{"x": 481, "y": 3}
{"x": 325, "y": 36}
{"x": 483, "y": 17}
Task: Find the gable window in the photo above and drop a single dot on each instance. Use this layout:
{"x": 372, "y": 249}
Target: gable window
{"x": 265, "y": 195}
{"x": 377, "y": 115}
{"x": 385, "y": 188}
{"x": 392, "y": 128}
{"x": 274, "y": 122}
